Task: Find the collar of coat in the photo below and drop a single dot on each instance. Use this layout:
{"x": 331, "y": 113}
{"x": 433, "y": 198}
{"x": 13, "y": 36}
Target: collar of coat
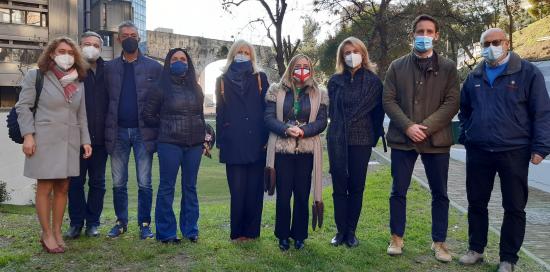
{"x": 514, "y": 66}
{"x": 434, "y": 65}
{"x": 340, "y": 79}
{"x": 139, "y": 57}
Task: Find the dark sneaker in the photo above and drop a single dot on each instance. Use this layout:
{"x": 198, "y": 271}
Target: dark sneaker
{"x": 145, "y": 231}
{"x": 117, "y": 230}
{"x": 73, "y": 232}
{"x": 193, "y": 238}
{"x": 92, "y": 231}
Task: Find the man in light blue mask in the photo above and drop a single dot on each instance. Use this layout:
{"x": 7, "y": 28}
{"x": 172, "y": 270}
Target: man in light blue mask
{"x": 421, "y": 93}
{"x": 505, "y": 120}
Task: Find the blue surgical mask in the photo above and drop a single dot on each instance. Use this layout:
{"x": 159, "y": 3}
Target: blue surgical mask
{"x": 492, "y": 53}
{"x": 178, "y": 68}
{"x": 241, "y": 58}
{"x": 423, "y": 43}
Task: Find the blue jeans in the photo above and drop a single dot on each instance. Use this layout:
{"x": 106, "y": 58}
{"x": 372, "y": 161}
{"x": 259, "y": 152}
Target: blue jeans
{"x": 127, "y": 139}
{"x": 89, "y": 211}
{"x": 437, "y": 169}
{"x": 171, "y": 159}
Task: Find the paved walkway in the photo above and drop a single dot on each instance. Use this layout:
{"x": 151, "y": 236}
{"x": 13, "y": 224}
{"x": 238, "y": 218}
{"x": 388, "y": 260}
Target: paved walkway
{"x": 537, "y": 236}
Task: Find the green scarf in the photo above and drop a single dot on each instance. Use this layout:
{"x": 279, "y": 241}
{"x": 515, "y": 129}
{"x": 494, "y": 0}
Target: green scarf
{"x": 297, "y": 104}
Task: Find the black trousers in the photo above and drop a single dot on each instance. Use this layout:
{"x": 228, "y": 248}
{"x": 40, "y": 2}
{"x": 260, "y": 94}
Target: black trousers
{"x": 512, "y": 168}
{"x": 247, "y": 196}
{"x": 437, "y": 171}
{"x": 293, "y": 179}
{"x": 348, "y": 191}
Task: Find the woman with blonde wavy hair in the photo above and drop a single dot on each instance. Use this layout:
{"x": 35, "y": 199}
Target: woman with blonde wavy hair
{"x": 241, "y": 132}
{"x": 356, "y": 116}
{"x": 54, "y": 132}
{"x": 296, "y": 113}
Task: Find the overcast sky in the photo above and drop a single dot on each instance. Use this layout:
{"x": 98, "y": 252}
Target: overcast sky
{"x": 206, "y": 18}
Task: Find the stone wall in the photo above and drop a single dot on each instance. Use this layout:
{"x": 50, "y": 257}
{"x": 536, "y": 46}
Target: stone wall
{"x": 204, "y": 51}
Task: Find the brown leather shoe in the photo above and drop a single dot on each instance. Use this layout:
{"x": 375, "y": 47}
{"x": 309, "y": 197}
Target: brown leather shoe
{"x": 396, "y": 246}
{"x": 441, "y": 252}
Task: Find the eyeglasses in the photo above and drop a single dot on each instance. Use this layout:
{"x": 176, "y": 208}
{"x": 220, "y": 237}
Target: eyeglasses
{"x": 494, "y": 43}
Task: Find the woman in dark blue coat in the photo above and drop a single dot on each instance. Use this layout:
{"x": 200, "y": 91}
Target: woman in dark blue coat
{"x": 356, "y": 116}
{"x": 242, "y": 136}
{"x": 176, "y": 108}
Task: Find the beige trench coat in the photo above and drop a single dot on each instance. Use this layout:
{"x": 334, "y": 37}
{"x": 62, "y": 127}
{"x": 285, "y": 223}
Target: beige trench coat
{"x": 60, "y": 128}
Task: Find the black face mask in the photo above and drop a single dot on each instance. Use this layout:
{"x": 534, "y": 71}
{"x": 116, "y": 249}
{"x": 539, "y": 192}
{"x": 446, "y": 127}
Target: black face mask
{"x": 130, "y": 45}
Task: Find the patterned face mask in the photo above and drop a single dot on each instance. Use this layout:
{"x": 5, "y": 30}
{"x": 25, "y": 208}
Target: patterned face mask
{"x": 301, "y": 74}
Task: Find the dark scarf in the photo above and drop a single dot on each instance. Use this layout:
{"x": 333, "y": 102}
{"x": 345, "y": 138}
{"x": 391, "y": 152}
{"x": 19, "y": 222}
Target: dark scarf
{"x": 237, "y": 73}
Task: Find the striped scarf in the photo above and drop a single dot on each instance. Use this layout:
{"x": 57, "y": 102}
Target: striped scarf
{"x": 68, "y": 80}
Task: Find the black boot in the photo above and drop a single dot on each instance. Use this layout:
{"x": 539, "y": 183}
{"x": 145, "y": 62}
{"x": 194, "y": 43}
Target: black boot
{"x": 351, "y": 239}
{"x": 299, "y": 244}
{"x": 337, "y": 240}
{"x": 284, "y": 244}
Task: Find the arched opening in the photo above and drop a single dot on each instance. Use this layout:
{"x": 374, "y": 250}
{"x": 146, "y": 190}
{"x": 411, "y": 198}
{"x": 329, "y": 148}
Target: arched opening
{"x": 211, "y": 73}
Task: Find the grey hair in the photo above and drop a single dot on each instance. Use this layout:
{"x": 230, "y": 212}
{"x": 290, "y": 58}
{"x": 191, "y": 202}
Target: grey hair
{"x": 91, "y": 34}
{"x": 127, "y": 24}
{"x": 233, "y": 51}
{"x": 490, "y": 31}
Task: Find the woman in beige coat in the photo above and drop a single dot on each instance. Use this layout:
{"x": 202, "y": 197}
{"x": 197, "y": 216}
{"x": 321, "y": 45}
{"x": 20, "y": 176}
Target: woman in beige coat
{"x": 54, "y": 134}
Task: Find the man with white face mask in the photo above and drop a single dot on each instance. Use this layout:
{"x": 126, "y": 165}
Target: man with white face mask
{"x": 84, "y": 211}
{"x": 421, "y": 97}
{"x": 505, "y": 120}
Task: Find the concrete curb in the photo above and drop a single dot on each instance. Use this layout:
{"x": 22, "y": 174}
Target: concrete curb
{"x": 384, "y": 159}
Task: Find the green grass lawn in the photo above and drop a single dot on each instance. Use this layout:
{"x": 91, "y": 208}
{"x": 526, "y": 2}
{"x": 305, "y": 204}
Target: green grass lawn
{"x": 20, "y": 251}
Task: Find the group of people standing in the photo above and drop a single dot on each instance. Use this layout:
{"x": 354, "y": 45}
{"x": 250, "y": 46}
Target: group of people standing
{"x": 269, "y": 137}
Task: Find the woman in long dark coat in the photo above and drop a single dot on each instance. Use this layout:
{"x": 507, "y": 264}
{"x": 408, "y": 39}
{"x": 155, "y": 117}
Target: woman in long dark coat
{"x": 242, "y": 136}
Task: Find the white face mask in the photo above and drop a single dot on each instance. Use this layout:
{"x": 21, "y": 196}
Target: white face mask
{"x": 91, "y": 53}
{"x": 353, "y": 60}
{"x": 65, "y": 61}
{"x": 492, "y": 53}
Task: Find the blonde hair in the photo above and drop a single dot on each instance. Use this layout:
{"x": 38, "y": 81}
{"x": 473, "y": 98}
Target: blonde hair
{"x": 233, "y": 51}
{"x": 340, "y": 61}
{"x": 287, "y": 79}
{"x": 45, "y": 60}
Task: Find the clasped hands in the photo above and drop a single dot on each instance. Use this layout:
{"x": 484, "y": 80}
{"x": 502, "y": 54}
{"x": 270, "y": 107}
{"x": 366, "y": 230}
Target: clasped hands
{"x": 294, "y": 132}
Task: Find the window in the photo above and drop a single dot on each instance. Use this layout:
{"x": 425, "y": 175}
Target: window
{"x": 44, "y": 19}
{"x": 4, "y": 15}
{"x": 24, "y": 56}
{"x": 33, "y": 18}
{"x": 17, "y": 16}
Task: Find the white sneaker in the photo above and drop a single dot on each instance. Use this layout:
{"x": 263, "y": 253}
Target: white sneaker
{"x": 471, "y": 257}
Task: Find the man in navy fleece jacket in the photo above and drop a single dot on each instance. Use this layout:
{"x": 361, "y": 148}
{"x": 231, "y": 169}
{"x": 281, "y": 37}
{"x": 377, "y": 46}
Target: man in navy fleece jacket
{"x": 505, "y": 120}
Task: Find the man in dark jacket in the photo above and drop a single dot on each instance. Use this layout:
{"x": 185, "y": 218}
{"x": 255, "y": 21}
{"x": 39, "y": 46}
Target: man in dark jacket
{"x": 421, "y": 96}
{"x": 82, "y": 211}
{"x": 129, "y": 78}
{"x": 505, "y": 119}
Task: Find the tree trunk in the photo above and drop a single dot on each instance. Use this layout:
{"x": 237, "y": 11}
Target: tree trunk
{"x": 279, "y": 54}
{"x": 381, "y": 29}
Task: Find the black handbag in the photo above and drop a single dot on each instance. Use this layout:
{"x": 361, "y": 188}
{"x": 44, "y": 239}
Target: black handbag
{"x": 13, "y": 126}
